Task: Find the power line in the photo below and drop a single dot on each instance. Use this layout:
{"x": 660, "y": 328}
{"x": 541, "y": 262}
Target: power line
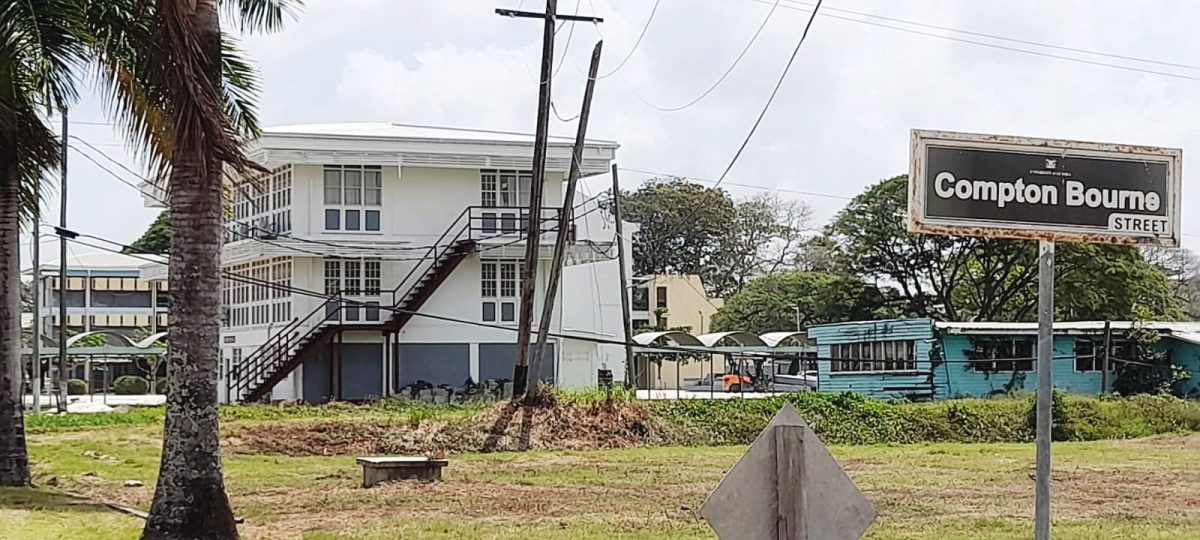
{"x": 633, "y": 49}
{"x": 774, "y": 92}
{"x": 1004, "y": 47}
{"x": 724, "y": 75}
{"x": 998, "y": 37}
{"x": 737, "y": 184}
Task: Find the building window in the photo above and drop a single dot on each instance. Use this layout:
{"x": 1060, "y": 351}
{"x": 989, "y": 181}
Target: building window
{"x": 641, "y": 299}
{"x": 639, "y": 324}
{"x": 873, "y": 356}
{"x": 498, "y": 290}
{"x": 353, "y": 195}
{"x": 660, "y": 297}
{"x": 996, "y": 355}
{"x": 252, "y": 304}
{"x": 1089, "y": 353}
{"x": 505, "y": 188}
{"x": 262, "y": 206}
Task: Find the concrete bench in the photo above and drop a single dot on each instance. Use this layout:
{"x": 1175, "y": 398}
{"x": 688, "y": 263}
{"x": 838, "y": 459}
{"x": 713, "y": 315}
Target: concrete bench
{"x": 386, "y": 469}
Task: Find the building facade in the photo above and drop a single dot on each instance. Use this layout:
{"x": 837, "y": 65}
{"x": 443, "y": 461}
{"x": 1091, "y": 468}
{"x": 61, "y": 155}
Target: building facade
{"x": 104, "y": 292}
{"x": 671, "y": 302}
{"x": 924, "y": 359}
{"x": 373, "y": 257}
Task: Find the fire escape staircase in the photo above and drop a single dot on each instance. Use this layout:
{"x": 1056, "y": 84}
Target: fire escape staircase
{"x": 304, "y": 337}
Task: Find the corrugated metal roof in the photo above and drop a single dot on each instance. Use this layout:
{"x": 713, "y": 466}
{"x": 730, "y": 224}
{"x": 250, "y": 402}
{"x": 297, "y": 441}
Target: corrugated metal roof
{"x": 1075, "y": 326}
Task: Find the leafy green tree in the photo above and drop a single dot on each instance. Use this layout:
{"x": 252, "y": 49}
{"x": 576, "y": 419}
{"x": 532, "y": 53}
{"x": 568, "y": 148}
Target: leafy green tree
{"x": 772, "y": 303}
{"x": 156, "y": 239}
{"x": 961, "y": 278}
{"x": 1151, "y": 370}
{"x": 765, "y": 237}
{"x": 680, "y": 225}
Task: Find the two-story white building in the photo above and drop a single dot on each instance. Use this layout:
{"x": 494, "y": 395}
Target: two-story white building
{"x": 418, "y": 233}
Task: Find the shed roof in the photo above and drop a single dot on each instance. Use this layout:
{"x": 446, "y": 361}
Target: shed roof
{"x": 745, "y": 339}
{"x": 394, "y": 130}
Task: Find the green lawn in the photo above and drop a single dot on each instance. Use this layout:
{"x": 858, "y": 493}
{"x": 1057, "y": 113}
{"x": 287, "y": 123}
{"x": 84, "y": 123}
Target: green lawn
{"x": 1145, "y": 489}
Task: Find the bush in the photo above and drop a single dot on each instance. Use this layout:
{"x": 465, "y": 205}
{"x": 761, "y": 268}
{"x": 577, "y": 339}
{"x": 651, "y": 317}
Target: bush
{"x": 76, "y": 387}
{"x": 854, "y": 419}
{"x": 128, "y": 385}
{"x": 160, "y": 386}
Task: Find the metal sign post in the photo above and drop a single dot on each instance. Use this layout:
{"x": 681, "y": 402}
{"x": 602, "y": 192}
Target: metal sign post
{"x": 968, "y": 184}
{"x": 1045, "y": 387}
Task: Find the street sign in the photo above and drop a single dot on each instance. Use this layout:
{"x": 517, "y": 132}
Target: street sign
{"x": 1043, "y": 189}
{"x": 788, "y": 487}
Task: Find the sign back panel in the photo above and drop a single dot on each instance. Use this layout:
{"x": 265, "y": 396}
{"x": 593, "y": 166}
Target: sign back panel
{"x": 969, "y": 184}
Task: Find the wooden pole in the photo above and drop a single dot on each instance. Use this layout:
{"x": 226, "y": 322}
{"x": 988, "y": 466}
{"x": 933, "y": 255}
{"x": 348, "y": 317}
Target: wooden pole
{"x": 565, "y": 219}
{"x": 533, "y": 228}
{"x": 625, "y": 290}
{"x": 1107, "y": 349}
{"x": 36, "y": 367}
{"x": 789, "y": 488}
{"x": 63, "y": 376}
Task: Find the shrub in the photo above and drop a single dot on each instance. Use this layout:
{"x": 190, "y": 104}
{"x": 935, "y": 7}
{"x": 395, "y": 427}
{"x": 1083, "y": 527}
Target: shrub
{"x": 128, "y": 385}
{"x": 76, "y": 387}
{"x": 160, "y": 386}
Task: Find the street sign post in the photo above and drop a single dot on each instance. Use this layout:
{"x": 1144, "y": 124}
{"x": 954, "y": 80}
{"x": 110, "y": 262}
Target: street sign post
{"x": 967, "y": 184}
{"x": 787, "y": 487}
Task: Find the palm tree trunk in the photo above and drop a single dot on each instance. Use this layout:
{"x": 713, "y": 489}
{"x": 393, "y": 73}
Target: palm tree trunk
{"x": 14, "y": 458}
{"x": 190, "y": 499}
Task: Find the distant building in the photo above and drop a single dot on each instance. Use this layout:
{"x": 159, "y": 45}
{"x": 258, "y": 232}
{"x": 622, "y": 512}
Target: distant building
{"x": 104, "y": 291}
{"x": 672, "y": 302}
{"x": 924, "y": 359}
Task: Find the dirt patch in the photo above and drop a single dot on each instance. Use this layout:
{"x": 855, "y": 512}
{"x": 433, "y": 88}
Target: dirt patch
{"x": 553, "y": 425}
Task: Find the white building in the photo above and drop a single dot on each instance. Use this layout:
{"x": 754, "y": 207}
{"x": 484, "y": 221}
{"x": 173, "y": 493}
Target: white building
{"x": 417, "y": 228}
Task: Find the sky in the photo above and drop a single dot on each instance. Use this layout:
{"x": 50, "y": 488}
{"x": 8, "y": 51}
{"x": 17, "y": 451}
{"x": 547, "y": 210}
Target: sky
{"x": 840, "y": 122}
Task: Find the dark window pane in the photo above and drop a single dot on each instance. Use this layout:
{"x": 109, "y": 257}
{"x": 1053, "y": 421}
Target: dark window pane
{"x": 372, "y": 220}
{"x": 489, "y": 311}
{"x": 660, "y": 297}
{"x": 352, "y": 220}
{"x": 333, "y": 220}
{"x": 372, "y": 310}
{"x": 351, "y": 312}
{"x": 488, "y": 222}
{"x": 508, "y": 312}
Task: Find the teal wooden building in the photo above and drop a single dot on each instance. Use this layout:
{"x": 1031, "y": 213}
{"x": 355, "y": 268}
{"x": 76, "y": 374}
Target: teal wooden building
{"x": 926, "y": 359}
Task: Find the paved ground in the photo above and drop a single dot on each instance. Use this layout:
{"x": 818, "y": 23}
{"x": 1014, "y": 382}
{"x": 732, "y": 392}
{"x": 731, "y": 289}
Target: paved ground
{"x": 96, "y": 402}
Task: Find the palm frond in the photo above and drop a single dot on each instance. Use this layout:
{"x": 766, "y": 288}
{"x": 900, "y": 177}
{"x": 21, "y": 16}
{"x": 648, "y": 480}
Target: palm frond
{"x": 261, "y": 15}
{"x": 40, "y": 45}
{"x": 240, "y": 89}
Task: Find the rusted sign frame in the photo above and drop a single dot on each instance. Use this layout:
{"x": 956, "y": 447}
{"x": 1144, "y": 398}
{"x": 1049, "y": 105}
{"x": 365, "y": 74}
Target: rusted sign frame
{"x": 918, "y": 222}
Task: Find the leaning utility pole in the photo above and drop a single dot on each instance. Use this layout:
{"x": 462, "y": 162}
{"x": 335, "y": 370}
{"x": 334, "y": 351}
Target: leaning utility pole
{"x": 564, "y": 225}
{"x": 625, "y": 290}
{"x": 63, "y": 376}
{"x": 533, "y": 229}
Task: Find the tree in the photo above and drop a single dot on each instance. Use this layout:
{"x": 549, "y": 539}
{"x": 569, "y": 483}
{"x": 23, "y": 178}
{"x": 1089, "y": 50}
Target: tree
{"x": 680, "y": 225}
{"x": 1151, "y": 370}
{"x": 39, "y": 44}
{"x": 796, "y": 300}
{"x": 186, "y": 97}
{"x": 966, "y": 278}
{"x": 1182, "y": 270}
{"x": 156, "y": 239}
{"x": 765, "y": 237}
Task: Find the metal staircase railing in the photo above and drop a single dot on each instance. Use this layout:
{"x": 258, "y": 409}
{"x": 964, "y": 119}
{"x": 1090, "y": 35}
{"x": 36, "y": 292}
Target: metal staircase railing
{"x": 473, "y": 224}
{"x": 277, "y": 350}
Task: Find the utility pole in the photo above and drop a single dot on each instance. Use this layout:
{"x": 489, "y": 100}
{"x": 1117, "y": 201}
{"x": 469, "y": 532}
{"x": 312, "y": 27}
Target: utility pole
{"x": 1105, "y": 365}
{"x": 36, "y": 368}
{"x": 625, "y": 290}
{"x": 63, "y": 376}
{"x": 533, "y": 234}
{"x": 565, "y": 219}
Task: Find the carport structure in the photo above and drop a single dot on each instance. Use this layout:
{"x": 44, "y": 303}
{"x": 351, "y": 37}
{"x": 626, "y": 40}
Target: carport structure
{"x": 683, "y": 356}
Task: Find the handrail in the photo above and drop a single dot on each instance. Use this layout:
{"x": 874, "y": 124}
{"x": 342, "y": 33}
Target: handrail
{"x": 432, "y": 253}
{"x": 255, "y": 364}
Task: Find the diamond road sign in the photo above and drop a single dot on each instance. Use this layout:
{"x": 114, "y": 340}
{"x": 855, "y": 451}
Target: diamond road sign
{"x": 788, "y": 487}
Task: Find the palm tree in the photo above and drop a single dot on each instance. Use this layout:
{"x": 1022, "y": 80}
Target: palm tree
{"x": 186, "y": 97}
{"x": 39, "y": 45}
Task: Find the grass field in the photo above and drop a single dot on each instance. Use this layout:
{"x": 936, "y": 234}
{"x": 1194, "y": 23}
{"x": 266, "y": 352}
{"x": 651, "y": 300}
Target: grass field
{"x": 1144, "y": 488}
